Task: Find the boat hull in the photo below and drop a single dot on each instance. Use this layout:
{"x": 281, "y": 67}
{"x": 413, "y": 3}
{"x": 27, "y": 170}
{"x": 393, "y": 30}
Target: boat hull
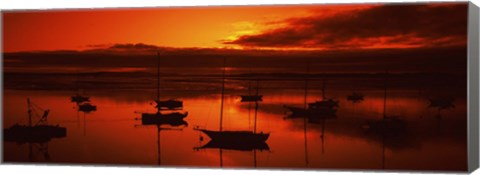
{"x": 169, "y": 104}
{"x": 33, "y": 134}
{"x": 251, "y": 98}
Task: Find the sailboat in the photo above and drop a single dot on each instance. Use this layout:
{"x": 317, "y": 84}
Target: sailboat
{"x": 318, "y": 110}
{"x": 388, "y": 124}
{"x": 251, "y": 138}
{"x": 39, "y": 133}
{"x": 327, "y": 104}
{"x": 250, "y": 97}
{"x": 355, "y": 97}
{"x": 77, "y": 98}
{"x": 442, "y": 103}
{"x": 170, "y": 104}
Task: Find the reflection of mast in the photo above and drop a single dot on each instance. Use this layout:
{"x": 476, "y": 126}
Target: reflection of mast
{"x": 385, "y": 97}
{"x": 383, "y": 151}
{"x": 223, "y": 95}
{"x": 256, "y": 111}
{"x": 159, "y": 151}
{"x": 158, "y": 78}
{"x": 305, "y": 117}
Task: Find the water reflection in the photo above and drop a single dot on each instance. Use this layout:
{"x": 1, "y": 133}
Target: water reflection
{"x": 331, "y": 142}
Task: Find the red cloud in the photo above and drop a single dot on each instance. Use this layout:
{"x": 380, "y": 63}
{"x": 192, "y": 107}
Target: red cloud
{"x": 386, "y": 26}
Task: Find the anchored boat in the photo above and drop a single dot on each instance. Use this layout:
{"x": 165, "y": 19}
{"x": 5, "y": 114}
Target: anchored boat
{"x": 40, "y": 132}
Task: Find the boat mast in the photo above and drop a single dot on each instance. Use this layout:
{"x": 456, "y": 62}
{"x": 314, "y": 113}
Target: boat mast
{"x": 323, "y": 89}
{"x": 306, "y": 84}
{"x": 223, "y": 94}
{"x": 305, "y": 108}
{"x": 385, "y": 97}
{"x": 256, "y": 110}
{"x": 29, "y": 108}
{"x": 158, "y": 77}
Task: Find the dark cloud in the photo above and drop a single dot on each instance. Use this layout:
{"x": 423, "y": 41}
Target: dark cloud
{"x": 388, "y": 25}
{"x": 140, "y": 46}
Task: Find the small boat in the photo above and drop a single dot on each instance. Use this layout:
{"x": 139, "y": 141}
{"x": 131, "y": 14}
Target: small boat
{"x": 41, "y": 132}
{"x": 87, "y": 107}
{"x": 170, "y": 104}
{"x": 388, "y": 124}
{"x": 316, "y": 111}
{"x": 251, "y": 98}
{"x": 325, "y": 103}
{"x": 234, "y": 137}
{"x": 355, "y": 97}
{"x": 442, "y": 103}
{"x": 77, "y": 98}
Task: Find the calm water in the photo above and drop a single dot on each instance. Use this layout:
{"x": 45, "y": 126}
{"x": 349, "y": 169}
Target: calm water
{"x": 111, "y": 135}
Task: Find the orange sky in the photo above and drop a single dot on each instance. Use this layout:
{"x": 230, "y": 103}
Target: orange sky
{"x": 302, "y": 26}
{"x": 175, "y": 27}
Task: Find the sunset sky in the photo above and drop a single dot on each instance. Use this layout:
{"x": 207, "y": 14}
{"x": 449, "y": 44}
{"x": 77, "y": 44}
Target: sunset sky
{"x": 317, "y": 27}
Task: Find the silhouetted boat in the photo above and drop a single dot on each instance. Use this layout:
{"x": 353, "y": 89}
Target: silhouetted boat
{"x": 39, "y": 133}
{"x": 316, "y": 111}
{"x": 324, "y": 104}
{"x": 388, "y": 124}
{"x": 170, "y": 104}
{"x": 355, "y": 97}
{"x": 87, "y": 107}
{"x": 442, "y": 103}
{"x": 251, "y": 98}
{"x": 77, "y": 98}
{"x": 239, "y": 137}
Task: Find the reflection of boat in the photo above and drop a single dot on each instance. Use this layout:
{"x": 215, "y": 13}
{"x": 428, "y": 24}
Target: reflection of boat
{"x": 234, "y": 145}
{"x": 159, "y": 123}
{"x": 170, "y": 104}
{"x": 41, "y": 132}
{"x": 77, "y": 98}
{"x": 173, "y": 119}
{"x": 234, "y": 137}
{"x": 388, "y": 124}
{"x": 87, "y": 107}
